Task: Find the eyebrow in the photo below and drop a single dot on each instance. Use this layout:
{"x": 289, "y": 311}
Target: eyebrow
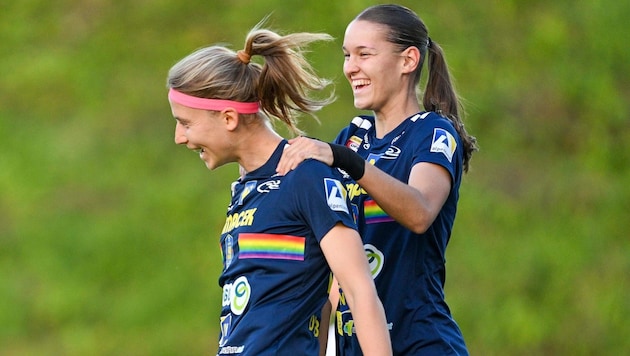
{"x": 181, "y": 121}
{"x": 362, "y": 47}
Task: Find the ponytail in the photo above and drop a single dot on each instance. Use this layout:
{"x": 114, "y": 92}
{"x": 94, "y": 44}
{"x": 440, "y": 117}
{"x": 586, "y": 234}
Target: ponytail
{"x": 440, "y": 96}
{"x": 282, "y": 85}
{"x": 287, "y": 79}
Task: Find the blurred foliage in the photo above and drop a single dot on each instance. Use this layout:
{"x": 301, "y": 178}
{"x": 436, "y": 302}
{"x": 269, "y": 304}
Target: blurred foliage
{"x": 109, "y": 232}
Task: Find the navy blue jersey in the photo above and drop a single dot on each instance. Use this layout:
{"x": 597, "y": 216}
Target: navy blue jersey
{"x": 408, "y": 268}
{"x": 275, "y": 278}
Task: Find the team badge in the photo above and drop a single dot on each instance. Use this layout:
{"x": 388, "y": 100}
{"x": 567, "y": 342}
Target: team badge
{"x": 336, "y": 195}
{"x": 372, "y": 158}
{"x": 229, "y": 250}
{"x": 249, "y": 187}
{"x": 355, "y": 212}
{"x": 443, "y": 142}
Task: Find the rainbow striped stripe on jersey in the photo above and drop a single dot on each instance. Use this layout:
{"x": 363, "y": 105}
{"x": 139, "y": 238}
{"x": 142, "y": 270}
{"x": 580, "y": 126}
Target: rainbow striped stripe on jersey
{"x": 374, "y": 214}
{"x": 271, "y": 246}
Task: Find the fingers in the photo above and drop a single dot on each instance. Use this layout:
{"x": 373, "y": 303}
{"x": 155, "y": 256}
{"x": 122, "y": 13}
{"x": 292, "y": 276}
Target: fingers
{"x": 300, "y": 149}
{"x": 292, "y": 156}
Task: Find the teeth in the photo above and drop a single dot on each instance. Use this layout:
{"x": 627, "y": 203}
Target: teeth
{"x": 360, "y": 82}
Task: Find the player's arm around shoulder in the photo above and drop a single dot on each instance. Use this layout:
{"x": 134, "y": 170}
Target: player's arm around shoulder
{"x": 344, "y": 252}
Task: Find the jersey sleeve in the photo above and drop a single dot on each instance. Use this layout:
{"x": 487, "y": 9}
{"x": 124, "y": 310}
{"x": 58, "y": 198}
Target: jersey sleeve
{"x": 439, "y": 143}
{"x": 321, "y": 198}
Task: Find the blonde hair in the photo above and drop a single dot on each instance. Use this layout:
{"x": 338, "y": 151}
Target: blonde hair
{"x": 283, "y": 84}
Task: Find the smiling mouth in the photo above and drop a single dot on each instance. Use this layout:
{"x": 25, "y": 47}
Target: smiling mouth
{"x": 360, "y": 83}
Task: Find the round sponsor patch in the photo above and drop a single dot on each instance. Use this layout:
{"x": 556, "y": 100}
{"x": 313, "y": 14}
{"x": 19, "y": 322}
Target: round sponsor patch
{"x": 375, "y": 259}
{"x": 239, "y": 295}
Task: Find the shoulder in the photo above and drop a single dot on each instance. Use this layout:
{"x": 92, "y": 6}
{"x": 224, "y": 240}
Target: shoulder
{"x": 312, "y": 168}
{"x": 430, "y": 119}
{"x": 313, "y": 176}
{"x": 434, "y": 127}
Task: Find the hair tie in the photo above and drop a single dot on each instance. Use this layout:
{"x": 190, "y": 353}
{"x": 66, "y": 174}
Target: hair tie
{"x": 429, "y": 42}
{"x": 243, "y": 56}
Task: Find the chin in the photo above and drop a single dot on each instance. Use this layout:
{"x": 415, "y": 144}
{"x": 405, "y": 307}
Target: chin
{"x": 361, "y": 106}
{"x": 210, "y": 166}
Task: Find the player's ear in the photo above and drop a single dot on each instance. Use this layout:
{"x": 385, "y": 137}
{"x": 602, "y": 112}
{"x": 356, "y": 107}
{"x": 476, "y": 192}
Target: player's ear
{"x": 411, "y": 59}
{"x": 230, "y": 118}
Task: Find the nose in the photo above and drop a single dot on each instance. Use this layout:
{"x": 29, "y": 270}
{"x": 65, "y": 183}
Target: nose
{"x": 180, "y": 135}
{"x": 349, "y": 66}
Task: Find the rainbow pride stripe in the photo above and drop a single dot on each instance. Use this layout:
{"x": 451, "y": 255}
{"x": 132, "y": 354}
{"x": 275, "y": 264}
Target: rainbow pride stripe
{"x": 271, "y": 246}
{"x": 374, "y": 214}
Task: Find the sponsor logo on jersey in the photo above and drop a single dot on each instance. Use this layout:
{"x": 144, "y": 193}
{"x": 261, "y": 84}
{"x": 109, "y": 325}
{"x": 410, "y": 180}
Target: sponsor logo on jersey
{"x": 336, "y": 195}
{"x": 345, "y": 325}
{"x": 243, "y": 218}
{"x": 397, "y": 137}
{"x": 348, "y": 328}
{"x": 231, "y": 350}
{"x": 236, "y": 295}
{"x": 375, "y": 259}
{"x": 353, "y": 143}
{"x": 354, "y": 190}
{"x": 271, "y": 246}
{"x": 226, "y": 323}
{"x": 268, "y": 186}
{"x": 443, "y": 142}
{"x": 392, "y": 153}
{"x": 366, "y": 140}
{"x": 374, "y": 214}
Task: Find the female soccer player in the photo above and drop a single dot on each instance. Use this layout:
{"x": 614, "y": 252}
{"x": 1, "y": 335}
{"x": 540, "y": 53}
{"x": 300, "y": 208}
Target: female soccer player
{"x": 406, "y": 195}
{"x": 282, "y": 232}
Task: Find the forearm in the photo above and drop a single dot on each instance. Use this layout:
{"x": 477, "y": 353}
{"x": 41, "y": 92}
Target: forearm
{"x": 400, "y": 201}
{"x": 370, "y": 324}
{"x": 409, "y": 205}
{"x": 346, "y": 258}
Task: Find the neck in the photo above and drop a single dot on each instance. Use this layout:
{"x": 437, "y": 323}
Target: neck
{"x": 393, "y": 114}
{"x": 256, "y": 147}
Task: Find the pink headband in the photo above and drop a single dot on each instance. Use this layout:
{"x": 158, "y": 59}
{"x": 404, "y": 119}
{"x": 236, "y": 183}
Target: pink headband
{"x": 211, "y": 104}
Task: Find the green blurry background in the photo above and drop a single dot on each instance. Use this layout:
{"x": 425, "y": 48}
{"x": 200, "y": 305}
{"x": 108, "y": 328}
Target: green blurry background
{"x": 109, "y": 231}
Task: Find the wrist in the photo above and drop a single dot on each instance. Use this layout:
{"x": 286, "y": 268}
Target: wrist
{"x": 348, "y": 160}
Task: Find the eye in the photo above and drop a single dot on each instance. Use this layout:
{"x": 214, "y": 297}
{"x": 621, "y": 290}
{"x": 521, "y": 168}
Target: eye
{"x": 183, "y": 123}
